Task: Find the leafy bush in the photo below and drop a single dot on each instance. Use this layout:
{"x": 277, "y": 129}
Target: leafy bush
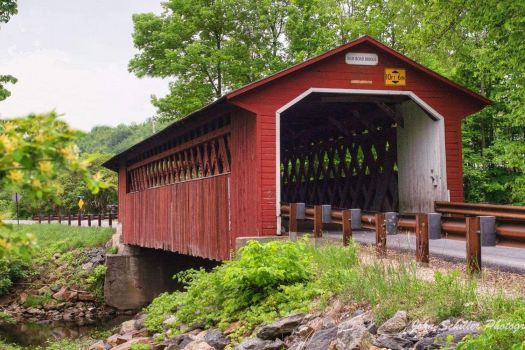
{"x": 507, "y": 332}
{"x": 267, "y": 281}
{"x": 12, "y": 268}
{"x": 263, "y": 282}
{"x": 96, "y": 281}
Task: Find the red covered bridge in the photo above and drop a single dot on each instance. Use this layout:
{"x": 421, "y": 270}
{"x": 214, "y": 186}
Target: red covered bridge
{"x": 360, "y": 126}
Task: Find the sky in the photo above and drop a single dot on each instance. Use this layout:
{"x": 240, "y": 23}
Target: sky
{"x": 71, "y": 56}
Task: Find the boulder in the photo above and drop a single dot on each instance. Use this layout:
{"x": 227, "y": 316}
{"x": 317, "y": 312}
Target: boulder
{"x": 45, "y": 290}
{"x": 446, "y": 339}
{"x": 127, "y": 327}
{"x": 260, "y": 344}
{"x": 321, "y": 339}
{"x": 178, "y": 342}
{"x": 216, "y": 338}
{"x": 98, "y": 346}
{"x": 353, "y": 334}
{"x": 86, "y": 296}
{"x": 280, "y": 328}
{"x": 61, "y": 295}
{"x": 198, "y": 345}
{"x": 393, "y": 342}
{"x": 127, "y": 345}
{"x": 395, "y": 324}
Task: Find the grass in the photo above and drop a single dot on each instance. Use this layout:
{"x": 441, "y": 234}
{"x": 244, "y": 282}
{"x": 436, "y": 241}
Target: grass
{"x": 265, "y": 282}
{"x": 63, "y": 238}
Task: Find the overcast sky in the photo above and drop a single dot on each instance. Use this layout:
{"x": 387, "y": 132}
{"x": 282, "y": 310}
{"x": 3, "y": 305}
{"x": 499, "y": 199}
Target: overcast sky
{"x": 72, "y": 56}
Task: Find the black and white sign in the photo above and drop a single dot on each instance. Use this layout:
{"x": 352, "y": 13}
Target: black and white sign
{"x": 362, "y": 59}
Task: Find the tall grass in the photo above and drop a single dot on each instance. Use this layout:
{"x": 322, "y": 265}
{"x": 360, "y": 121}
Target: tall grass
{"x": 62, "y": 238}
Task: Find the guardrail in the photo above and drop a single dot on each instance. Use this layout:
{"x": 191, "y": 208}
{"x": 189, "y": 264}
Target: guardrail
{"x": 69, "y": 218}
{"x": 475, "y": 225}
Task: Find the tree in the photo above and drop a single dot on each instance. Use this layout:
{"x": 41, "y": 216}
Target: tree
{"x": 8, "y": 8}
{"x": 208, "y": 48}
{"x": 34, "y": 152}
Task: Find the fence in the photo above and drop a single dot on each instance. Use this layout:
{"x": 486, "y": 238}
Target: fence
{"x": 491, "y": 225}
{"x": 78, "y": 218}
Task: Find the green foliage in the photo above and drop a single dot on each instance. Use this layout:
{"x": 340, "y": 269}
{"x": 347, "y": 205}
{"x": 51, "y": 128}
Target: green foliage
{"x": 96, "y": 281}
{"x": 265, "y": 282}
{"x": 140, "y": 346}
{"x": 11, "y": 270}
{"x": 507, "y": 332}
{"x": 37, "y": 300}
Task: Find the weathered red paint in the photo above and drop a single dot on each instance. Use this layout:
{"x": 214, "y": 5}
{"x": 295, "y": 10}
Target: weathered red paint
{"x": 203, "y": 217}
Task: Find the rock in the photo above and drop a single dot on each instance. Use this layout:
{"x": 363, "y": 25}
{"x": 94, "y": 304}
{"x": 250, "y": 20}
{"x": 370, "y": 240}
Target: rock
{"x": 260, "y": 344}
{"x": 87, "y": 266}
{"x": 446, "y": 339}
{"x": 198, "y": 345}
{"x": 216, "y": 338}
{"x": 353, "y": 334}
{"x": 45, "y": 290}
{"x": 127, "y": 345}
{"x": 169, "y": 321}
{"x": 178, "y": 342}
{"x": 392, "y": 342}
{"x": 232, "y": 327}
{"x": 322, "y": 339}
{"x": 280, "y": 328}
{"x": 61, "y": 295}
{"x": 98, "y": 346}
{"x": 22, "y": 298}
{"x": 139, "y": 321}
{"x": 127, "y": 327}
{"x": 396, "y": 324}
{"x": 86, "y": 296}
{"x": 34, "y": 311}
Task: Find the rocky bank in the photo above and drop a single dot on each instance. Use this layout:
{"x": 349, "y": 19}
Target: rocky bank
{"x": 336, "y": 329}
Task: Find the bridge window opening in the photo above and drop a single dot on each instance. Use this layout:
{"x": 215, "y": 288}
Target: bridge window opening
{"x": 200, "y": 153}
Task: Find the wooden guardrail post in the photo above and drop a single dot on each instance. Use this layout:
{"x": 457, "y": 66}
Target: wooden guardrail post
{"x": 59, "y": 217}
{"x": 110, "y": 220}
{"x": 473, "y": 245}
{"x": 79, "y": 219}
{"x": 380, "y": 235}
{"x": 99, "y": 219}
{"x": 292, "y": 222}
{"x": 48, "y": 218}
{"x": 347, "y": 226}
{"x": 318, "y": 221}
{"x": 69, "y": 219}
{"x": 39, "y": 218}
{"x": 422, "y": 247}
{"x": 89, "y": 220}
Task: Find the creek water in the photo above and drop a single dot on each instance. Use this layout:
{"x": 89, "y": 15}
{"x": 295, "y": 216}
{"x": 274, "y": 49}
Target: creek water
{"x": 34, "y": 334}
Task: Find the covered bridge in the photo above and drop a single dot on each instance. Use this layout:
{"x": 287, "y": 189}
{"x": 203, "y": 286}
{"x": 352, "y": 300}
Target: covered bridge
{"x": 360, "y": 126}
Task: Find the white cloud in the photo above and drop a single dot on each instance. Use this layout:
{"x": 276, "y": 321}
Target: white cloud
{"x": 79, "y": 72}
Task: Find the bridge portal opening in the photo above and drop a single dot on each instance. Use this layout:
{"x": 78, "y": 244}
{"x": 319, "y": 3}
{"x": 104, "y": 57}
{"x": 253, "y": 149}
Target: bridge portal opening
{"x": 355, "y": 150}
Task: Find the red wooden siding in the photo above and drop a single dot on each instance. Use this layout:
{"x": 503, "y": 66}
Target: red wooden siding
{"x": 190, "y": 217}
{"x": 245, "y": 204}
{"x": 333, "y": 72}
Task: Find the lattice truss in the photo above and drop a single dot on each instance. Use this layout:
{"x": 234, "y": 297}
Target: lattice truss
{"x": 348, "y": 162}
{"x": 185, "y": 162}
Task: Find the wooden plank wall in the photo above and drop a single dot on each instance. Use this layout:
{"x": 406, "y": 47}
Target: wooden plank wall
{"x": 190, "y": 217}
{"x": 333, "y": 72}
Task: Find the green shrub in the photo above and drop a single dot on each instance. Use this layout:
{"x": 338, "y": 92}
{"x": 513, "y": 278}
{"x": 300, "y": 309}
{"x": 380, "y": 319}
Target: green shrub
{"x": 96, "y": 281}
{"x": 263, "y": 282}
{"x": 507, "y": 332}
{"x": 12, "y": 268}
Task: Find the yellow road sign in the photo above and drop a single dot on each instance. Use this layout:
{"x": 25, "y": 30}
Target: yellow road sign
{"x": 80, "y": 203}
{"x": 395, "y": 77}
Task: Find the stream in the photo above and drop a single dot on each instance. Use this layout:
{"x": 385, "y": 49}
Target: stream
{"x": 35, "y": 334}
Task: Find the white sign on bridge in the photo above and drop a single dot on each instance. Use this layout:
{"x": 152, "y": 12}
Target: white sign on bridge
{"x": 362, "y": 59}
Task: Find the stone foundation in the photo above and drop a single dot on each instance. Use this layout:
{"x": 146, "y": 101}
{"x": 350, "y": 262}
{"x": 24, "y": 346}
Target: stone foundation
{"x": 135, "y": 276}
